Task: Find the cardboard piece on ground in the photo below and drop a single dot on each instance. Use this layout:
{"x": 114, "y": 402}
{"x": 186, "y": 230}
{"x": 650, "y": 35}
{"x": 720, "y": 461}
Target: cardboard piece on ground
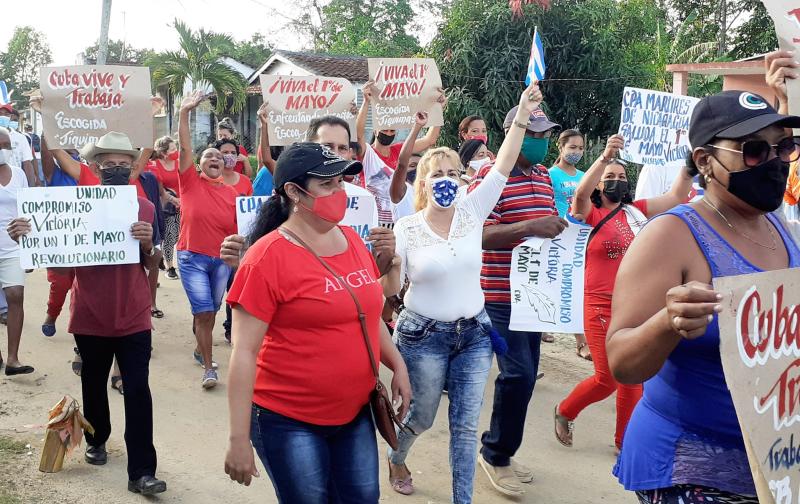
{"x": 546, "y": 281}
{"x": 294, "y": 101}
{"x": 403, "y": 87}
{"x": 655, "y": 126}
{"x": 78, "y": 226}
{"x": 760, "y": 350}
{"x": 785, "y": 15}
{"x": 83, "y": 103}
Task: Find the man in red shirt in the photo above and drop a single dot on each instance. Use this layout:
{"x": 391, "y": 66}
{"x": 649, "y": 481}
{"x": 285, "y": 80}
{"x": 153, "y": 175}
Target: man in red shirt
{"x": 526, "y": 208}
{"x": 110, "y": 317}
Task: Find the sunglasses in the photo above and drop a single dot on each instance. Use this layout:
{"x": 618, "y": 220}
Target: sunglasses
{"x": 755, "y": 152}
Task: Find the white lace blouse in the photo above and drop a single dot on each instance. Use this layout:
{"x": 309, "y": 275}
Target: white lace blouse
{"x": 444, "y": 274}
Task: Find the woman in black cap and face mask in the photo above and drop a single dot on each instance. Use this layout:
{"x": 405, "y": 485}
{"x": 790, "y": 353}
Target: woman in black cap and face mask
{"x": 684, "y": 438}
{"x": 603, "y": 200}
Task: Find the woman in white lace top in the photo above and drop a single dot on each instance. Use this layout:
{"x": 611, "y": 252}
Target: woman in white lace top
{"x": 443, "y": 332}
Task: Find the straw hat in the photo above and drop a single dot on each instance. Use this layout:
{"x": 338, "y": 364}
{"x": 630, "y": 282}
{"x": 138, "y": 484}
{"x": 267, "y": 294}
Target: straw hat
{"x": 112, "y": 142}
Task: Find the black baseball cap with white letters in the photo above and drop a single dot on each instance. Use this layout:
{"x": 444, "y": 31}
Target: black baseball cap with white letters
{"x": 732, "y": 115}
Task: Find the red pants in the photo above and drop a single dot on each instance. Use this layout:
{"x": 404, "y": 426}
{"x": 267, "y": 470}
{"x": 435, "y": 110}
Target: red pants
{"x": 596, "y": 319}
{"x": 60, "y": 283}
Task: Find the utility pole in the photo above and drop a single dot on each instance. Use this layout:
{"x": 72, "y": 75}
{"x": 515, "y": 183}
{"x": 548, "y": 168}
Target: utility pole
{"x": 105, "y": 20}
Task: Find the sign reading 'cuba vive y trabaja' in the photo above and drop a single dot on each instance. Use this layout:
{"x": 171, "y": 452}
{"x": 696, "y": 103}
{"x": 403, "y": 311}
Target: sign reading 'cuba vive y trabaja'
{"x": 760, "y": 348}
{"x": 83, "y": 103}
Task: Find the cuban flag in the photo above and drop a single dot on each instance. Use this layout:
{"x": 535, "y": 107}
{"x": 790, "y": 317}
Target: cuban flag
{"x": 536, "y": 66}
{"x": 4, "y": 98}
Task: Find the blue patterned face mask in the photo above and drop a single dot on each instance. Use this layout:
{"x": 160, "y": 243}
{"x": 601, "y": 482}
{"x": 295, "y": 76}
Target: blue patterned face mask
{"x": 444, "y": 190}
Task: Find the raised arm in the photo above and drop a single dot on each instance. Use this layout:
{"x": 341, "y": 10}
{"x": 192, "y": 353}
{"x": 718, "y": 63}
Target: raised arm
{"x": 263, "y": 140}
{"x": 363, "y": 114}
{"x": 184, "y": 133}
{"x": 780, "y": 65}
{"x": 430, "y": 138}
{"x": 507, "y": 156}
{"x": 581, "y": 202}
{"x": 398, "y": 188}
{"x": 677, "y": 194}
{"x": 65, "y": 161}
{"x": 48, "y": 163}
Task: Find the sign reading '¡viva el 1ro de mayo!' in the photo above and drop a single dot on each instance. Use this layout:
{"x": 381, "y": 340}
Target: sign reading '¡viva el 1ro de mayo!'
{"x": 403, "y": 87}
{"x": 83, "y": 103}
{"x": 294, "y": 101}
{"x": 760, "y": 349}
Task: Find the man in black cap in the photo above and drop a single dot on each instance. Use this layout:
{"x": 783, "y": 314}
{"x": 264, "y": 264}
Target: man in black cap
{"x": 526, "y": 208}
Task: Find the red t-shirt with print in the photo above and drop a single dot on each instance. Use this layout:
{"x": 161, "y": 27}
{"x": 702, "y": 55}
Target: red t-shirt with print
{"x": 313, "y": 365}
{"x": 112, "y": 300}
{"x": 607, "y": 248}
{"x": 394, "y": 155}
{"x": 208, "y": 213}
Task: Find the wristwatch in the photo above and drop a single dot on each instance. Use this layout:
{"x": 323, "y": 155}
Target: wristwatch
{"x": 151, "y": 253}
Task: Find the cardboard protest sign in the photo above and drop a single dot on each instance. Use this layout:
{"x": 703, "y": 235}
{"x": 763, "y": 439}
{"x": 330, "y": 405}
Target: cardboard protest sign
{"x": 83, "y": 103}
{"x": 294, "y": 101}
{"x": 760, "y": 349}
{"x": 361, "y": 214}
{"x": 78, "y": 226}
{"x": 403, "y": 87}
{"x": 786, "y": 16}
{"x": 655, "y": 126}
{"x": 547, "y": 282}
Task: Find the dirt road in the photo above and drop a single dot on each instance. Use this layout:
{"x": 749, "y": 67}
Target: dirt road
{"x": 191, "y": 427}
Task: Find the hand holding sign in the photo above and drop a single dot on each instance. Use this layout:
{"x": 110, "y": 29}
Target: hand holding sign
{"x": 421, "y": 119}
{"x": 143, "y": 233}
{"x": 691, "y": 307}
{"x": 779, "y": 65}
{"x": 262, "y": 114}
{"x": 18, "y": 227}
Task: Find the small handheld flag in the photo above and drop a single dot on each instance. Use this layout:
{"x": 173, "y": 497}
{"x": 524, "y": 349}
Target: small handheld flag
{"x": 4, "y": 98}
{"x": 536, "y": 66}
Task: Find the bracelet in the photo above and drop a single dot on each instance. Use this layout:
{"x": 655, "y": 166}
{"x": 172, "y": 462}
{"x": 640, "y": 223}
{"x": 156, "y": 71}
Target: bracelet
{"x": 604, "y": 159}
{"x": 521, "y": 125}
{"x": 151, "y": 253}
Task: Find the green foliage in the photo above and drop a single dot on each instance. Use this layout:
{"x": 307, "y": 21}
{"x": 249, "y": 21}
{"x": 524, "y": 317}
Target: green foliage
{"x": 254, "y": 52}
{"x": 367, "y": 28}
{"x": 483, "y": 52}
{"x": 27, "y": 51}
{"x": 118, "y": 52}
{"x": 756, "y": 35}
{"x": 199, "y": 60}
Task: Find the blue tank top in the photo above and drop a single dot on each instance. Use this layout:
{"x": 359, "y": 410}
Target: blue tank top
{"x": 684, "y": 430}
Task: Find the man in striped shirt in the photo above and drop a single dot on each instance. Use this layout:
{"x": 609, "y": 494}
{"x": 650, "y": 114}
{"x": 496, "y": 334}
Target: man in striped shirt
{"x": 526, "y": 208}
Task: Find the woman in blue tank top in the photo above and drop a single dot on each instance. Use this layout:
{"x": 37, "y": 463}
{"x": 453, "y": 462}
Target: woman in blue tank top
{"x": 683, "y": 443}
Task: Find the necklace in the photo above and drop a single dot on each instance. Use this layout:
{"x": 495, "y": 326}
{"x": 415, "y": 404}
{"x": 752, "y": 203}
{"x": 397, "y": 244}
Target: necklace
{"x": 769, "y": 228}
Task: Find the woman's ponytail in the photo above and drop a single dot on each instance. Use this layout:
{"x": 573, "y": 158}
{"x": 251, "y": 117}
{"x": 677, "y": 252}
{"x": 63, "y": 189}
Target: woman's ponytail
{"x": 270, "y": 217}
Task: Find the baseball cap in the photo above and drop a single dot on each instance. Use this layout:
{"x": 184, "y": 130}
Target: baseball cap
{"x": 732, "y": 115}
{"x": 538, "y": 122}
{"x": 9, "y": 108}
{"x": 309, "y": 158}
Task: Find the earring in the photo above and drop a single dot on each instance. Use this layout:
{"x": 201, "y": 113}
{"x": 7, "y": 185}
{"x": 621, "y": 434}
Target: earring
{"x": 707, "y": 178}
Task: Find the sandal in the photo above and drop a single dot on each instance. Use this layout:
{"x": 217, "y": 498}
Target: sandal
{"x": 156, "y": 313}
{"x": 584, "y": 355}
{"x": 564, "y": 423}
{"x": 401, "y": 486}
{"x": 116, "y": 384}
{"x": 77, "y": 363}
{"x": 548, "y": 337}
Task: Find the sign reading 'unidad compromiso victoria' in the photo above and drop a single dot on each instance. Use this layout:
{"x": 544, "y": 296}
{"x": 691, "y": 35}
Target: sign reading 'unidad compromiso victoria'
{"x": 83, "y": 103}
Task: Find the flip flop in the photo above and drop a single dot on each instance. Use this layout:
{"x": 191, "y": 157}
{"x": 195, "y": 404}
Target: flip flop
{"x": 156, "y": 313}
{"x": 587, "y": 356}
{"x": 561, "y": 420}
{"x": 49, "y": 330}
{"x": 117, "y": 385}
{"x": 77, "y": 365}
{"x": 18, "y": 370}
{"x": 548, "y": 338}
{"x": 402, "y": 486}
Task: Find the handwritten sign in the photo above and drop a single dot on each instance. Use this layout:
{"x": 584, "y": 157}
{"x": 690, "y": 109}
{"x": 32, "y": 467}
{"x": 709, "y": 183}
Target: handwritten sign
{"x": 78, "y": 226}
{"x": 547, "y": 282}
{"x": 785, "y": 15}
{"x": 403, "y": 87}
{"x": 294, "y": 101}
{"x": 361, "y": 214}
{"x": 656, "y": 127}
{"x": 760, "y": 350}
{"x": 83, "y": 103}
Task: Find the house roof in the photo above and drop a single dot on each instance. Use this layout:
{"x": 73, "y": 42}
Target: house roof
{"x": 352, "y": 68}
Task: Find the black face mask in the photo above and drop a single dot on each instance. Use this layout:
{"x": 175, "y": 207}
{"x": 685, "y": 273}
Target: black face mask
{"x": 411, "y": 176}
{"x": 761, "y": 186}
{"x": 615, "y": 190}
{"x": 385, "y": 139}
{"x": 116, "y": 175}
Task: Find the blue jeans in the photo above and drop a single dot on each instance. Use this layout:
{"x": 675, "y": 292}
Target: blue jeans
{"x": 204, "y": 279}
{"x": 458, "y": 354}
{"x": 513, "y": 388}
{"x": 314, "y": 464}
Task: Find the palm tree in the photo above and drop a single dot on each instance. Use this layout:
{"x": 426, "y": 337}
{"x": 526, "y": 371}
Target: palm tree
{"x": 199, "y": 59}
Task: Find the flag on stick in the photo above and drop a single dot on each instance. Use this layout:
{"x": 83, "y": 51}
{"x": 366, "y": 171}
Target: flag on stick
{"x": 536, "y": 66}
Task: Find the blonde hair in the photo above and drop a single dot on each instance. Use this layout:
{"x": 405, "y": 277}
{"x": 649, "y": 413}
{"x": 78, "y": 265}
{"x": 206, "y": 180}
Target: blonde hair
{"x": 431, "y": 159}
{"x": 162, "y": 145}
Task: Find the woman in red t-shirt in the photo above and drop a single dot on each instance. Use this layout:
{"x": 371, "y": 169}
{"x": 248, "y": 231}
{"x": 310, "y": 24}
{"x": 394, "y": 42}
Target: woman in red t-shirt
{"x": 603, "y": 200}
{"x": 300, "y": 377}
{"x": 208, "y": 215}
{"x": 226, "y": 131}
{"x": 229, "y": 149}
{"x": 165, "y": 168}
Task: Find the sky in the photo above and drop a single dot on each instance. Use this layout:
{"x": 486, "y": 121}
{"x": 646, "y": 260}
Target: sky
{"x": 73, "y": 25}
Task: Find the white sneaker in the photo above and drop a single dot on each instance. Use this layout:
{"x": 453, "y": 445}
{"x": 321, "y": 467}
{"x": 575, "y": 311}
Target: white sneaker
{"x": 502, "y": 479}
{"x": 210, "y": 379}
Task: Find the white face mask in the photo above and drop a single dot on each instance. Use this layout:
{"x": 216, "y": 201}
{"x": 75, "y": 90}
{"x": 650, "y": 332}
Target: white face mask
{"x": 5, "y": 156}
{"x": 478, "y": 163}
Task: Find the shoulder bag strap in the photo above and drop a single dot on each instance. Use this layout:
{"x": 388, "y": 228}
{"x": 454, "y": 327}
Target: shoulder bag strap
{"x": 362, "y": 318}
{"x": 603, "y": 221}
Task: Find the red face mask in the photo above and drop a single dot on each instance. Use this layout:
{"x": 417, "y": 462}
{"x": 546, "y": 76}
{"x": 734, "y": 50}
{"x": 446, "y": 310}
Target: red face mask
{"x": 484, "y": 138}
{"x": 330, "y": 208}
{"x": 173, "y": 156}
